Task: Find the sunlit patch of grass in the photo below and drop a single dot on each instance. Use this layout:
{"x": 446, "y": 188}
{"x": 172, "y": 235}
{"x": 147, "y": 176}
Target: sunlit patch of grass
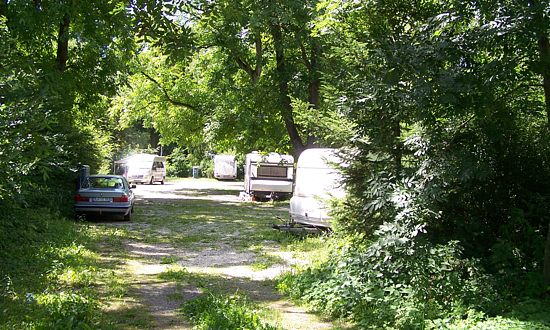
{"x": 117, "y": 286}
{"x": 209, "y": 217}
{"x": 181, "y": 275}
{"x": 267, "y": 260}
{"x": 169, "y": 260}
{"x": 176, "y": 273}
{"x": 309, "y": 248}
{"x": 225, "y": 312}
{"x": 103, "y": 234}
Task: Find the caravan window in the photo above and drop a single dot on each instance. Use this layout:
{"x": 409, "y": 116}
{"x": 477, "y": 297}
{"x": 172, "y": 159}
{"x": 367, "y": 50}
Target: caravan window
{"x": 272, "y": 171}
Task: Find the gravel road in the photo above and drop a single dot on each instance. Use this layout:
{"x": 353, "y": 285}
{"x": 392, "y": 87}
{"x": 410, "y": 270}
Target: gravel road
{"x": 201, "y": 227}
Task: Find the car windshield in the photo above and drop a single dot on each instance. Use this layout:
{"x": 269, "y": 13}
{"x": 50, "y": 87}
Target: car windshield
{"x": 103, "y": 182}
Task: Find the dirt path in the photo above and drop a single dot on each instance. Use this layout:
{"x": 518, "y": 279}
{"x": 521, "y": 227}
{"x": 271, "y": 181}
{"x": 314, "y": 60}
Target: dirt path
{"x": 194, "y": 236}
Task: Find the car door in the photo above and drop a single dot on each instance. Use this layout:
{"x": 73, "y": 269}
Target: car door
{"x": 155, "y": 171}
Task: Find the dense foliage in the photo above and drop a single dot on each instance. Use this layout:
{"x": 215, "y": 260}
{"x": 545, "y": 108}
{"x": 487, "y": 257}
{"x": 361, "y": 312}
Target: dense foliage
{"x": 442, "y": 106}
{"x": 410, "y": 284}
{"x": 58, "y": 68}
{"x": 465, "y": 103}
{"x": 448, "y": 174}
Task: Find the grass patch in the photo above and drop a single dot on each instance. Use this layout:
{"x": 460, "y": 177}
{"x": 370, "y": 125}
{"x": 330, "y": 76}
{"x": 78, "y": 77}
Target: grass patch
{"x": 176, "y": 273}
{"x": 194, "y": 221}
{"x": 266, "y": 260}
{"x": 50, "y": 279}
{"x": 169, "y": 260}
{"x": 225, "y": 312}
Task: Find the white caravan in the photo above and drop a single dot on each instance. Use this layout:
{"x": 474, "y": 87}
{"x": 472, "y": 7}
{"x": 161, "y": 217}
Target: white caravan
{"x": 268, "y": 176}
{"x": 145, "y": 168}
{"x": 316, "y": 181}
{"x": 225, "y": 167}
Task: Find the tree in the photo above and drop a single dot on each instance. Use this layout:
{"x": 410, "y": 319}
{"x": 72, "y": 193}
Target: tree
{"x": 252, "y": 59}
{"x": 60, "y": 65}
{"x": 450, "y": 101}
{"x": 541, "y": 28}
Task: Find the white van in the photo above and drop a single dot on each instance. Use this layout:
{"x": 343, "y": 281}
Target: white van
{"x": 225, "y": 167}
{"x": 316, "y": 181}
{"x": 145, "y": 168}
{"x": 268, "y": 176}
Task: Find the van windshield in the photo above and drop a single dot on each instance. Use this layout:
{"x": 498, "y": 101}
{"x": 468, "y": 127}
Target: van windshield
{"x": 141, "y": 165}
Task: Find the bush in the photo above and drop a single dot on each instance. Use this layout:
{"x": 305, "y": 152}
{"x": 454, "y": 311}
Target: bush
{"x": 178, "y": 164}
{"x": 393, "y": 284}
{"x": 206, "y": 168}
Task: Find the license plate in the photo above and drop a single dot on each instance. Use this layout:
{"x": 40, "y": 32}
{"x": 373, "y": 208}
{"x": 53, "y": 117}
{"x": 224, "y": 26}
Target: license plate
{"x": 101, "y": 199}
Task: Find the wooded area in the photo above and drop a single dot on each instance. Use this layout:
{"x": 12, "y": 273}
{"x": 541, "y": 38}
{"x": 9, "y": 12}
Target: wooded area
{"x": 441, "y": 107}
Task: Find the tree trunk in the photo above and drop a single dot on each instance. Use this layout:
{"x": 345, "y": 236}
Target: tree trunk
{"x": 154, "y": 138}
{"x": 544, "y": 51}
{"x": 314, "y": 85}
{"x": 283, "y": 91}
{"x": 63, "y": 44}
{"x": 314, "y": 101}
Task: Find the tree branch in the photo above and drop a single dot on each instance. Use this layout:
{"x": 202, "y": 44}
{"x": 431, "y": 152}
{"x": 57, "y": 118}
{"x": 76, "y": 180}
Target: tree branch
{"x": 516, "y": 89}
{"x": 167, "y": 97}
{"x": 254, "y": 74}
{"x": 304, "y": 57}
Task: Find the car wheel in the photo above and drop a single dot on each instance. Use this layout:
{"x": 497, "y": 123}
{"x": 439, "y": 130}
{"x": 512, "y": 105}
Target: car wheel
{"x": 128, "y": 216}
{"x": 151, "y": 181}
{"x": 162, "y": 181}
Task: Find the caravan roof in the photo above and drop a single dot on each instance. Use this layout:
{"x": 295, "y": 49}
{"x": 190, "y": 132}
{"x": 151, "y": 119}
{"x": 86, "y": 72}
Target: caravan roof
{"x": 271, "y": 158}
{"x": 141, "y": 158}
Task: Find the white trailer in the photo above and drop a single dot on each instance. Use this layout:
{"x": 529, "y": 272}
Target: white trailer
{"x": 225, "y": 167}
{"x": 268, "y": 176}
{"x": 316, "y": 182}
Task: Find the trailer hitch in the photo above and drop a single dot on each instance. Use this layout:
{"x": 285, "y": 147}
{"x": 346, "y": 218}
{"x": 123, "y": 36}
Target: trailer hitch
{"x": 294, "y": 227}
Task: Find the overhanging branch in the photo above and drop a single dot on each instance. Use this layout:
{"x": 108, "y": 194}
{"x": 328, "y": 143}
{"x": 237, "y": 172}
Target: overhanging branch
{"x": 166, "y": 96}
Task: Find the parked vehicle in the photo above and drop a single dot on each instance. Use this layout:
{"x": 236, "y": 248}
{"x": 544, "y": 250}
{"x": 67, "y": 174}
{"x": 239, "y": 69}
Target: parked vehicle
{"x": 144, "y": 168}
{"x": 105, "y": 195}
{"x": 268, "y": 176}
{"x": 225, "y": 167}
{"x": 316, "y": 181}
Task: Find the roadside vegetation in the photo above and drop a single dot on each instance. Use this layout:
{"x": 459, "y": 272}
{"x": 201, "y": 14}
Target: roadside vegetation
{"x": 440, "y": 110}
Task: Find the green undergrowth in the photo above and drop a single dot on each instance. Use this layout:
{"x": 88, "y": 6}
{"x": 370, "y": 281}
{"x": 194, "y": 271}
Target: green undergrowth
{"x": 420, "y": 286}
{"x": 236, "y": 312}
{"x": 50, "y": 276}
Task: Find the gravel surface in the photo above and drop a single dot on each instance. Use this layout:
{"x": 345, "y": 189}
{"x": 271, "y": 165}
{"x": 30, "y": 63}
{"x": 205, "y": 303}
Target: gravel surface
{"x": 220, "y": 258}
